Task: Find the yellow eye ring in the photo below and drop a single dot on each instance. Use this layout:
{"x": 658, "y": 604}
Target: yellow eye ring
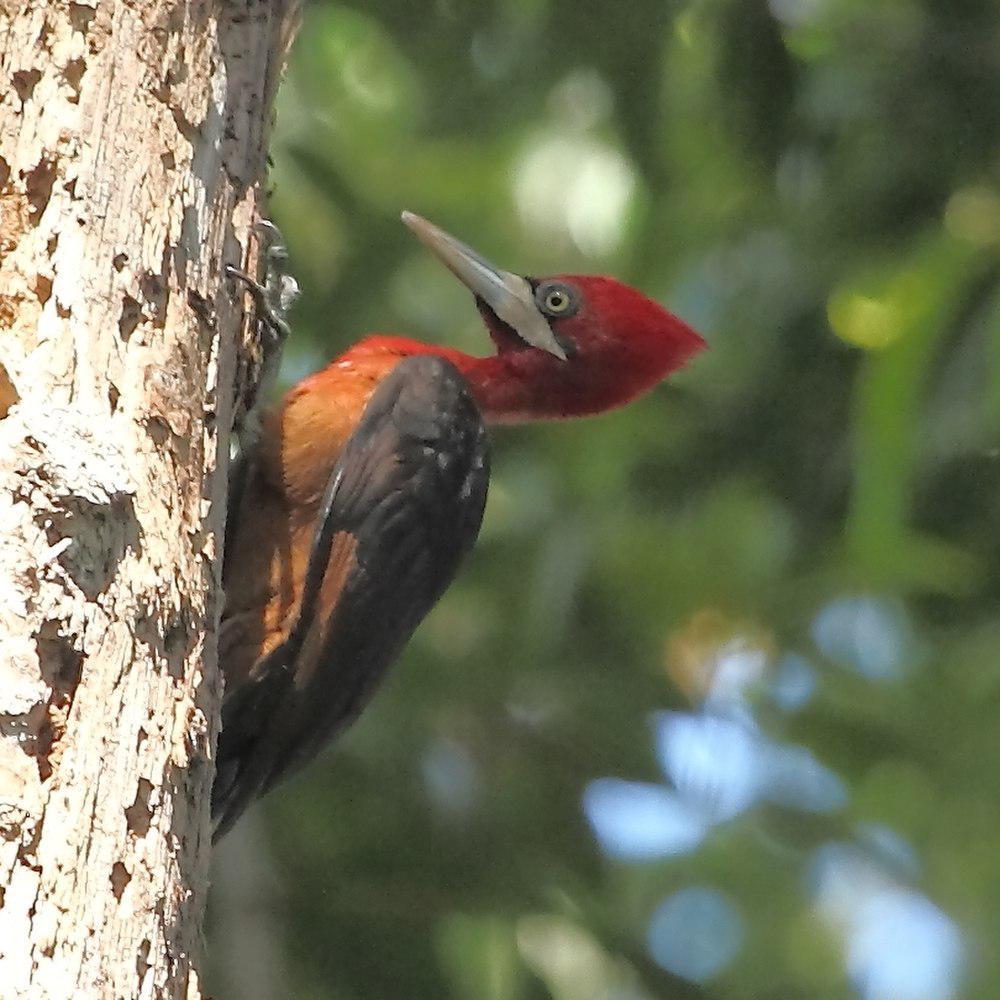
{"x": 557, "y": 301}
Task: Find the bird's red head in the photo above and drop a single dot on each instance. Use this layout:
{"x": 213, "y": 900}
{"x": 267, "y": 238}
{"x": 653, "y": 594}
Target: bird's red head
{"x": 618, "y": 344}
{"x": 568, "y": 345}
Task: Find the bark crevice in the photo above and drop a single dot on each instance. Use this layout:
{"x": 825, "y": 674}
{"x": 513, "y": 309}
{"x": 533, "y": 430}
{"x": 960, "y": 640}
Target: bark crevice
{"x": 131, "y": 153}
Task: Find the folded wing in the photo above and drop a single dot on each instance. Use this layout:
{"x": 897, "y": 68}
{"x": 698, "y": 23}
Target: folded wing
{"x": 403, "y": 506}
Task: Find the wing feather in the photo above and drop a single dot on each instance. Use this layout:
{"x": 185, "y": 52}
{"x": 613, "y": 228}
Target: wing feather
{"x": 403, "y": 506}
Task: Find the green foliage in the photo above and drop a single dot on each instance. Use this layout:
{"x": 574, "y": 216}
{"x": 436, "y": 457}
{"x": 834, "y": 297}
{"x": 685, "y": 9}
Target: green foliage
{"x": 814, "y": 185}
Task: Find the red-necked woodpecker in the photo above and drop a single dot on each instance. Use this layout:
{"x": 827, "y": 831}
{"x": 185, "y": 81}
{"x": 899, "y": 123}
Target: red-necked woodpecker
{"x": 366, "y": 487}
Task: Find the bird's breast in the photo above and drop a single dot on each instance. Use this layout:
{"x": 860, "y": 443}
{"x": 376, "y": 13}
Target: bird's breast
{"x": 269, "y": 545}
{"x": 305, "y": 435}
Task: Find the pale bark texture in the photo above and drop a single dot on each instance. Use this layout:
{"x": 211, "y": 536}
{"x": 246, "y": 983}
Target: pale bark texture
{"x": 132, "y": 147}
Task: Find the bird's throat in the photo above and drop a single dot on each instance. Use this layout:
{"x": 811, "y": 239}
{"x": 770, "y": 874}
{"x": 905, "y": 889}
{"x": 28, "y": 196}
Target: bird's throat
{"x": 509, "y": 387}
{"x": 505, "y": 390}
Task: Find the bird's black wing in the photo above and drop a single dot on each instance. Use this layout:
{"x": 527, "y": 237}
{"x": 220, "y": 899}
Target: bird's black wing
{"x": 403, "y": 506}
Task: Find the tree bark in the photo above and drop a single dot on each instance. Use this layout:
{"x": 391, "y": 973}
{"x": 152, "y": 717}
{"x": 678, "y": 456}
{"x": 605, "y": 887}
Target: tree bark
{"x": 132, "y": 144}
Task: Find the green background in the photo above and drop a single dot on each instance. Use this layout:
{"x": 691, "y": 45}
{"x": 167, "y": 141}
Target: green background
{"x": 794, "y": 545}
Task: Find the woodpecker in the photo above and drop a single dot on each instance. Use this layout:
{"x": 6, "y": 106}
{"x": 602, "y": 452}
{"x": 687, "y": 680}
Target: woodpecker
{"x": 365, "y": 487}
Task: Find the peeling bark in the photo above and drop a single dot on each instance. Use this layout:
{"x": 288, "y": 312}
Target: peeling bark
{"x": 132, "y": 144}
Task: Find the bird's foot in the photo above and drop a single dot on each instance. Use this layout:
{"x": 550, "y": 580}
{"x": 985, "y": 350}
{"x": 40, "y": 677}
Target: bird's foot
{"x": 274, "y": 297}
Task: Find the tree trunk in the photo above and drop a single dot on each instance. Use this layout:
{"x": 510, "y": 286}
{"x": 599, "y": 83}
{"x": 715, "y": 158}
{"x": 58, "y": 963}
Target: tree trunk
{"x": 132, "y": 144}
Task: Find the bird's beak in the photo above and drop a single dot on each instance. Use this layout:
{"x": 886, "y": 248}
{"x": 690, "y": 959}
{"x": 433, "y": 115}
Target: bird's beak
{"x": 508, "y": 295}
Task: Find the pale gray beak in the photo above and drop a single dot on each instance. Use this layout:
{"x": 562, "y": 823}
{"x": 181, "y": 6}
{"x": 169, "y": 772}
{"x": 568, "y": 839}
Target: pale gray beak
{"x": 508, "y": 295}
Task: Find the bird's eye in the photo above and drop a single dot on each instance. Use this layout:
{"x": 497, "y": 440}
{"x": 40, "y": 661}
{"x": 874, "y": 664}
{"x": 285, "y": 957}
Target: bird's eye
{"x": 556, "y": 300}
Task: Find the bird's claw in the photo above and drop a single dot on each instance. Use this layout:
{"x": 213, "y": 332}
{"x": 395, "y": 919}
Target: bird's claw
{"x": 272, "y": 298}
